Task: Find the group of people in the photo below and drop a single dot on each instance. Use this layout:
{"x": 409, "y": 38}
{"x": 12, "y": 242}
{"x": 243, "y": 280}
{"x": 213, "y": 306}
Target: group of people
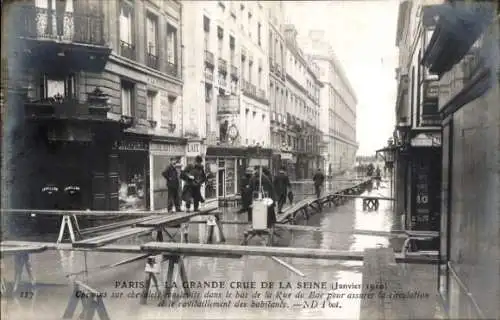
{"x": 278, "y": 187}
{"x": 193, "y": 175}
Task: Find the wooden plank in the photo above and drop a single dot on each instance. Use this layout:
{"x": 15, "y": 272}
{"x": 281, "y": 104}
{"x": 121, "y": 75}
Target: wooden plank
{"x": 6, "y": 250}
{"x": 195, "y": 249}
{"x": 377, "y": 233}
{"x": 364, "y": 197}
{"x": 115, "y": 225}
{"x": 108, "y": 238}
{"x": 174, "y": 218}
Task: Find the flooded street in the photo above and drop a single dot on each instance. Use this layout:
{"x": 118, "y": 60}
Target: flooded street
{"x": 54, "y": 271}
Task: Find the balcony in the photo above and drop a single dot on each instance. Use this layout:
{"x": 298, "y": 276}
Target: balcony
{"x": 152, "y": 61}
{"x": 278, "y": 70}
{"x": 172, "y": 69}
{"x": 209, "y": 59}
{"x": 234, "y": 72}
{"x": 261, "y": 93}
{"x": 271, "y": 66}
{"x": 67, "y": 39}
{"x": 127, "y": 50}
{"x": 222, "y": 65}
{"x": 221, "y": 82}
{"x": 249, "y": 89}
{"x": 228, "y": 105}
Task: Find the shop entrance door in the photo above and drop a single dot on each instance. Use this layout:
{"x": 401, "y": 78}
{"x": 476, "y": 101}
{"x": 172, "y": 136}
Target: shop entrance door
{"x": 222, "y": 183}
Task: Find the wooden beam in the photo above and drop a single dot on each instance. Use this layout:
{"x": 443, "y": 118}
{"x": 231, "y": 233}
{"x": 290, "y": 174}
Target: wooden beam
{"x": 6, "y": 250}
{"x": 364, "y": 197}
{"x": 395, "y": 233}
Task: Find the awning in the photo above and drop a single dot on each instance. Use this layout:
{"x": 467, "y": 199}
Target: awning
{"x": 458, "y": 27}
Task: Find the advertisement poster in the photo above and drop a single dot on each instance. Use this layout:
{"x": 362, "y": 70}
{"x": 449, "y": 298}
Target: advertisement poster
{"x": 274, "y": 100}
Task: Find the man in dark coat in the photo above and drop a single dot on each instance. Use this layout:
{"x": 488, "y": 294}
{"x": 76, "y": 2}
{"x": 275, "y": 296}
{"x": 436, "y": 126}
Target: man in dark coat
{"x": 281, "y": 186}
{"x": 268, "y": 191}
{"x": 173, "y": 185}
{"x": 194, "y": 176}
{"x": 318, "y": 180}
{"x": 246, "y": 192}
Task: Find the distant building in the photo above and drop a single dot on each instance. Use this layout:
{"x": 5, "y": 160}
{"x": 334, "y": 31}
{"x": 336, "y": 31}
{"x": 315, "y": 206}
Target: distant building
{"x": 338, "y": 104}
{"x": 303, "y": 108}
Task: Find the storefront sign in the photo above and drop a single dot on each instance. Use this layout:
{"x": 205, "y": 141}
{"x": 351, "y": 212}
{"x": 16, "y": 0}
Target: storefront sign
{"x": 427, "y": 140}
{"x": 286, "y": 156}
{"x": 170, "y": 149}
{"x": 131, "y": 145}
{"x": 193, "y": 149}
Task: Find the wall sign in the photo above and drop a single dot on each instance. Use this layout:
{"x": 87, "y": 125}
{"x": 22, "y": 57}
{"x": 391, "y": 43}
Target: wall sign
{"x": 427, "y": 140}
{"x": 171, "y": 149}
{"x": 193, "y": 149}
{"x": 131, "y": 145}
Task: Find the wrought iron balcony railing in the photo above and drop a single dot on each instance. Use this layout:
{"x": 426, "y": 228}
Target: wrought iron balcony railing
{"x": 152, "y": 60}
{"x": 249, "y": 88}
{"x": 127, "y": 50}
{"x": 228, "y": 105}
{"x": 41, "y": 23}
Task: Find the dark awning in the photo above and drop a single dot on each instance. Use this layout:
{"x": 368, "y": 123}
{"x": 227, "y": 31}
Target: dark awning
{"x": 458, "y": 27}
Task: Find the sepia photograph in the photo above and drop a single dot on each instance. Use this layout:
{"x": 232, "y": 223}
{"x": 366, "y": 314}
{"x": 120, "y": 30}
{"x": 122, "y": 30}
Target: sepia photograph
{"x": 202, "y": 159}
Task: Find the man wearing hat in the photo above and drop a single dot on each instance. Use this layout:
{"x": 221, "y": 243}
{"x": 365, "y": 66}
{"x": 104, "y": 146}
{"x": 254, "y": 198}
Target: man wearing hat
{"x": 173, "y": 185}
{"x": 246, "y": 191}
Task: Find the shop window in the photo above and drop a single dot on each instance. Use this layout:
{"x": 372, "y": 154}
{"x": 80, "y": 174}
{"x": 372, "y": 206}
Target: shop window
{"x": 230, "y": 176}
{"x": 132, "y": 194}
{"x": 127, "y": 98}
{"x": 211, "y": 171}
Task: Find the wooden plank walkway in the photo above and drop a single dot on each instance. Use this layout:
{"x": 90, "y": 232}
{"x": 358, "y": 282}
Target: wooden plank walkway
{"x": 5, "y": 249}
{"x": 111, "y": 237}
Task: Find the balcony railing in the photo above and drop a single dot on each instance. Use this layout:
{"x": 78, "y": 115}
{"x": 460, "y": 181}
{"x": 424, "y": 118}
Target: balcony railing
{"x": 228, "y": 105}
{"x": 152, "y": 61}
{"x": 249, "y": 88}
{"x": 209, "y": 77}
{"x": 209, "y": 58}
{"x": 41, "y": 23}
{"x": 234, "y": 72}
{"x": 172, "y": 69}
{"x": 222, "y": 65}
{"x": 127, "y": 50}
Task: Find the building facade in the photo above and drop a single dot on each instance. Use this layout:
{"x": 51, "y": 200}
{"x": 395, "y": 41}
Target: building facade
{"x": 468, "y": 102}
{"x": 226, "y": 106}
{"x": 303, "y": 108}
{"x": 282, "y": 157}
{"x": 418, "y": 134}
{"x": 338, "y": 104}
{"x": 97, "y": 107}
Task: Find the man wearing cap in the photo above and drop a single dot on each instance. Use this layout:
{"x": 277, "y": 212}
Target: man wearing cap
{"x": 194, "y": 176}
{"x": 173, "y": 185}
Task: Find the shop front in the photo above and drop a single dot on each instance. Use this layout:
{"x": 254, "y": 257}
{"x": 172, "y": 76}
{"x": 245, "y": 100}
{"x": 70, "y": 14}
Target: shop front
{"x": 225, "y": 166}
{"x": 161, "y": 153}
{"x": 425, "y": 176}
{"x": 133, "y": 171}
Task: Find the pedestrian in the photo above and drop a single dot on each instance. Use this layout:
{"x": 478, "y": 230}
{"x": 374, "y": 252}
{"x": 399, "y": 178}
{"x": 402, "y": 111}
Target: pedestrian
{"x": 267, "y": 190}
{"x": 194, "y": 176}
{"x": 173, "y": 185}
{"x": 281, "y": 186}
{"x": 246, "y": 192}
{"x": 318, "y": 179}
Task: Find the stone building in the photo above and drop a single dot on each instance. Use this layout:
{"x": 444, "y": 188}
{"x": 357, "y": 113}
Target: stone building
{"x": 338, "y": 104}
{"x": 303, "y": 109}
{"x": 97, "y": 92}
{"x": 226, "y": 99}
{"x": 468, "y": 69}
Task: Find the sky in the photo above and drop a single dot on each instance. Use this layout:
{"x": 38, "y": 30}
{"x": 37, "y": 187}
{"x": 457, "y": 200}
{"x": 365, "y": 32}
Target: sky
{"x": 362, "y": 34}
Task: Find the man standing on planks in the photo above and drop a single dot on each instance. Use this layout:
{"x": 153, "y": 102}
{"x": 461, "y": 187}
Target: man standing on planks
{"x": 319, "y": 179}
{"x": 194, "y": 176}
{"x": 281, "y": 186}
{"x": 173, "y": 185}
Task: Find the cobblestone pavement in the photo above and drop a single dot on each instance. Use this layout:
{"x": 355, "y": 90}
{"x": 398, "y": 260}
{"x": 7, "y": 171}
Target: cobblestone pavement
{"x": 55, "y": 271}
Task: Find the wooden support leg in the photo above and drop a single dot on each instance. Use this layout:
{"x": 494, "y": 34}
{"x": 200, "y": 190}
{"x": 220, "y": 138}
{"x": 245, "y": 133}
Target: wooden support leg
{"x": 91, "y": 301}
{"x": 220, "y": 230}
{"x": 21, "y": 261}
{"x": 172, "y": 261}
{"x": 66, "y": 222}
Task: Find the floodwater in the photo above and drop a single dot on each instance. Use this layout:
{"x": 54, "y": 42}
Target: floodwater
{"x": 55, "y": 271}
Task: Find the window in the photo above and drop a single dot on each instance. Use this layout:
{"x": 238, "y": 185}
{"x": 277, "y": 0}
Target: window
{"x": 259, "y": 29}
{"x": 151, "y": 103}
{"x": 231, "y": 48}
{"x": 126, "y": 29}
{"x": 127, "y": 98}
{"x": 151, "y": 34}
{"x": 171, "y": 44}
{"x": 59, "y": 87}
{"x": 259, "y": 80}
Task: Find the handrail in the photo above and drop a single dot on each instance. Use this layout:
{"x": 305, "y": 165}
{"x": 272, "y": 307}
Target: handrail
{"x": 465, "y": 290}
